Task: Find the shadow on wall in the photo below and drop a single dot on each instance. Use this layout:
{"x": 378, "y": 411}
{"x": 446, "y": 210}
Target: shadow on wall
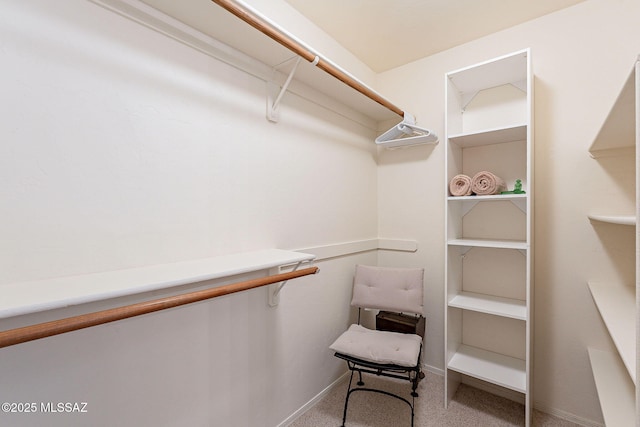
{"x": 406, "y": 154}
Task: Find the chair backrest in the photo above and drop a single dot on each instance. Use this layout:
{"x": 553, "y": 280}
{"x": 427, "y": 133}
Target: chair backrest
{"x": 391, "y": 289}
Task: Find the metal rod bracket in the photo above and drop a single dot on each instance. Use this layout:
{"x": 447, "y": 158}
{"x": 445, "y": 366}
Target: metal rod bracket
{"x": 275, "y": 288}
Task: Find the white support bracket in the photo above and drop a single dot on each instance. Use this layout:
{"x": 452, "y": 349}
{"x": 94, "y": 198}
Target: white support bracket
{"x": 274, "y": 290}
{"x": 464, "y": 250}
{"x": 466, "y": 98}
{"x": 468, "y": 205}
{"x": 273, "y": 88}
{"x": 520, "y": 204}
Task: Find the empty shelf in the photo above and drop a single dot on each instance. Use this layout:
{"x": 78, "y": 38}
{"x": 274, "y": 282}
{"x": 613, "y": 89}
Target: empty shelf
{"x": 510, "y": 68}
{"x": 615, "y": 219}
{"x": 491, "y": 136}
{"x": 617, "y": 134}
{"x": 615, "y": 390}
{"x": 30, "y": 297}
{"x": 617, "y": 307}
{"x": 499, "y": 306}
{"x": 488, "y": 243}
{"x": 495, "y": 368}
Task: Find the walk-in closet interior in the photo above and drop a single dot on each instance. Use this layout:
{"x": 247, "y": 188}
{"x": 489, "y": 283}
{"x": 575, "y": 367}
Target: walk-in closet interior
{"x": 188, "y": 187}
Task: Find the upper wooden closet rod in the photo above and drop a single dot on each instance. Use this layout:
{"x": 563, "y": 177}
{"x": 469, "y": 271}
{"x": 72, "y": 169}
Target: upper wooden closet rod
{"x": 56, "y": 327}
{"x": 261, "y": 24}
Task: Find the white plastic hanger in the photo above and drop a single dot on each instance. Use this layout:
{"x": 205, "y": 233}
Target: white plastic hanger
{"x": 406, "y": 133}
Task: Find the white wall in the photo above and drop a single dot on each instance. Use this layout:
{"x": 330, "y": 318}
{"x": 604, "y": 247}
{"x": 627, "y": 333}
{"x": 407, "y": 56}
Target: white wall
{"x": 122, "y": 148}
{"x": 581, "y": 58}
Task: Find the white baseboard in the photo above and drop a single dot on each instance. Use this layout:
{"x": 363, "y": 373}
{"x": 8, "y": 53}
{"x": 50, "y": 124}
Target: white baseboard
{"x": 317, "y": 398}
{"x": 433, "y": 370}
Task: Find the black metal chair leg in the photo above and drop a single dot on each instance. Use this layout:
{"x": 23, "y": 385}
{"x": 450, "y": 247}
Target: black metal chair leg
{"x": 412, "y": 416}
{"x": 416, "y": 380}
{"x": 414, "y": 393}
{"x": 346, "y": 400}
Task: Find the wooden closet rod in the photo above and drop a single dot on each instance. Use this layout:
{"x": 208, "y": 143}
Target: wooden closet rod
{"x": 298, "y": 48}
{"x": 56, "y": 327}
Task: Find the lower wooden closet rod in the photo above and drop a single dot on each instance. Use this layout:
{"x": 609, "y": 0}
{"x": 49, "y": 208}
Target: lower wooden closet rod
{"x": 56, "y": 327}
{"x": 259, "y": 23}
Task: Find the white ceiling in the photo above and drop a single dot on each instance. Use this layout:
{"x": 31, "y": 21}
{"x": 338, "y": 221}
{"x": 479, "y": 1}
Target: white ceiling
{"x": 385, "y": 34}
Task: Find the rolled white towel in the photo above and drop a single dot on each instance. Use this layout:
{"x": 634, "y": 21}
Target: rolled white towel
{"x": 485, "y": 183}
{"x": 460, "y": 185}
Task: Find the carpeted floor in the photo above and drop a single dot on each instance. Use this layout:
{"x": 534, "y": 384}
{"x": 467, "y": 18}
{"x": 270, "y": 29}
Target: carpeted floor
{"x": 469, "y": 407}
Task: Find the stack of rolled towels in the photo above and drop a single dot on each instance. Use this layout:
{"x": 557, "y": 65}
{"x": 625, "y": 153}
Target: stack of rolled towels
{"x": 483, "y": 183}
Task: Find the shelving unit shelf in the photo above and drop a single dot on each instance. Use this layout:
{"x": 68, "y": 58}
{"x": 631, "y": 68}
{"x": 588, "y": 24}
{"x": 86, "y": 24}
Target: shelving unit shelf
{"x": 488, "y": 240}
{"x": 488, "y": 243}
{"x": 615, "y": 370}
{"x": 617, "y": 308}
{"x": 490, "y": 136}
{"x": 495, "y": 368}
{"x": 499, "y": 306}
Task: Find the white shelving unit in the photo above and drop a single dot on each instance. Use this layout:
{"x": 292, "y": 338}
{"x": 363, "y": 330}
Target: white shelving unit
{"x": 615, "y": 372}
{"x": 489, "y": 238}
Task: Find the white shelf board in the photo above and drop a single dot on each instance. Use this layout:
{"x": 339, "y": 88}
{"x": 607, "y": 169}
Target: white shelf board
{"x": 488, "y": 243}
{"x": 616, "y": 392}
{"x": 511, "y": 68}
{"x": 495, "y": 368}
{"x": 30, "y": 297}
{"x": 493, "y": 197}
{"x": 618, "y": 130}
{"x": 615, "y": 219}
{"x": 499, "y": 306}
{"x": 469, "y": 202}
{"x": 623, "y": 151}
{"x": 490, "y": 136}
{"x": 617, "y": 307}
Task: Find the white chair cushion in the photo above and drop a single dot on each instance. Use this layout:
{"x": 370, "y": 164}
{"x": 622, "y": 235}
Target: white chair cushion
{"x": 379, "y": 346}
{"x": 387, "y": 288}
